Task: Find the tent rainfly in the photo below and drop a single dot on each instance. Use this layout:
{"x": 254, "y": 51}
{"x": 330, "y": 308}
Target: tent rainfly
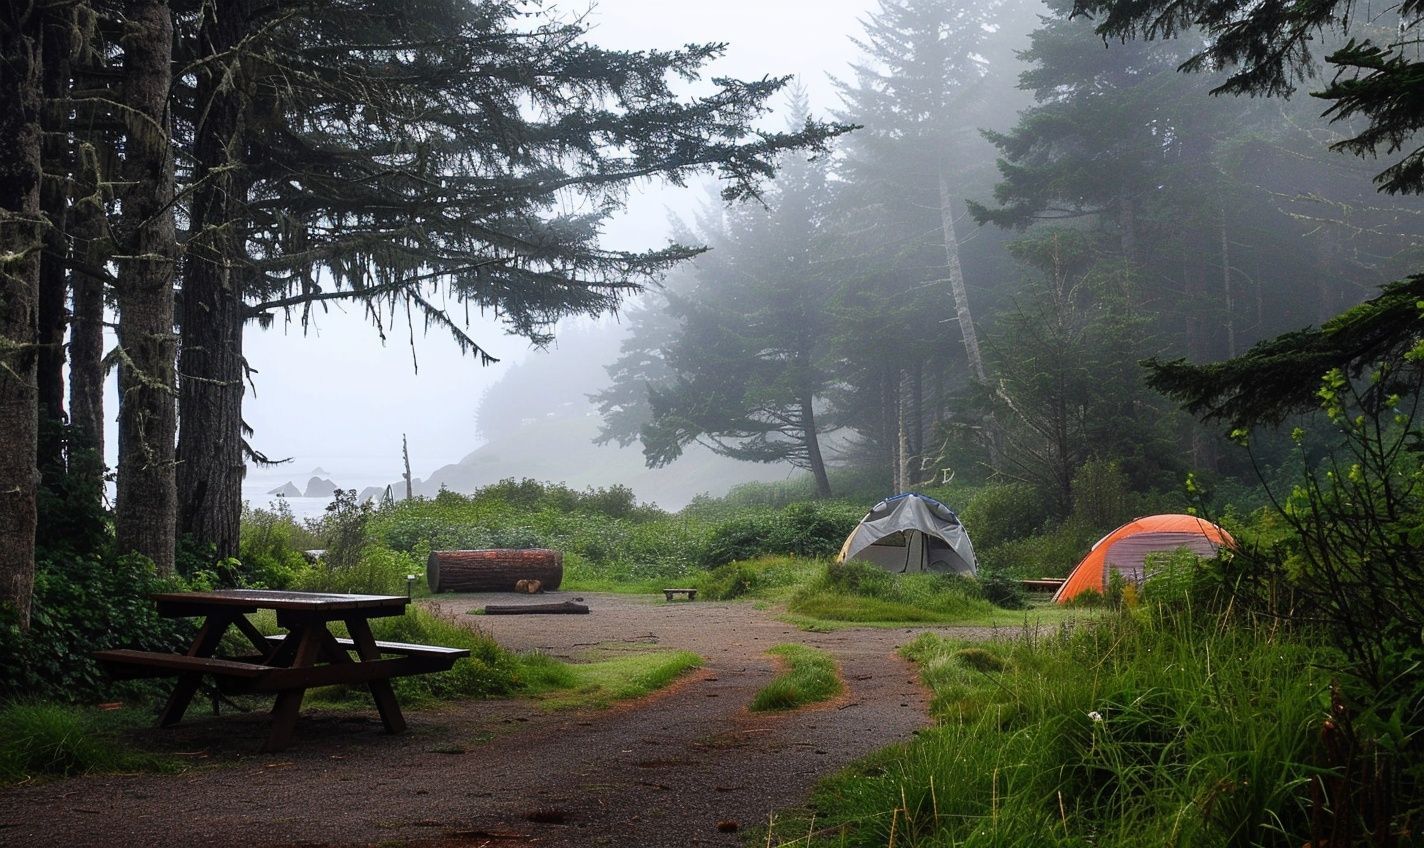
{"x": 1125, "y": 550}
{"x": 911, "y": 533}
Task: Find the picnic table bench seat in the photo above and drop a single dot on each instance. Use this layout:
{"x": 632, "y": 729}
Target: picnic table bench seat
{"x": 690, "y": 593}
{"x": 130, "y": 663}
{"x": 402, "y": 648}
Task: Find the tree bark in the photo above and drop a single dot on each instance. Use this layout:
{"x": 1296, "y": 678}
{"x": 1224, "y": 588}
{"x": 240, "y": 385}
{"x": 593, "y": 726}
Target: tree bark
{"x": 54, "y": 202}
{"x": 86, "y": 327}
{"x": 495, "y": 570}
{"x": 21, "y": 240}
{"x": 210, "y": 459}
{"x": 146, "y": 507}
{"x": 957, "y": 291}
{"x": 813, "y": 447}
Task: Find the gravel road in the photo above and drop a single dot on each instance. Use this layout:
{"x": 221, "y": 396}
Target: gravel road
{"x": 667, "y": 770}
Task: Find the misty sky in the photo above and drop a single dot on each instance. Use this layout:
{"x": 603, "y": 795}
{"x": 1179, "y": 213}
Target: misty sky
{"x": 337, "y": 399}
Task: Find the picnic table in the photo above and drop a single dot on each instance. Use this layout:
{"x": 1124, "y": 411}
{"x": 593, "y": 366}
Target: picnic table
{"x": 308, "y": 655}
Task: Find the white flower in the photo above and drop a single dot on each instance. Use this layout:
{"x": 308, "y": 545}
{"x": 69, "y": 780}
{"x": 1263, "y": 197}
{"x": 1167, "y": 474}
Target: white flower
{"x": 1095, "y": 715}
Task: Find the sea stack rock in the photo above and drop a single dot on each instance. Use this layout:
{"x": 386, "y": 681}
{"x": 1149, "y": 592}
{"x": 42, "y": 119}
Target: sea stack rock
{"x": 318, "y": 487}
{"x": 287, "y": 490}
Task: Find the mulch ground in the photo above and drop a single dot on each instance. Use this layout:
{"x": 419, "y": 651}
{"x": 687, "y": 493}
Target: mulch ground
{"x": 681, "y": 767}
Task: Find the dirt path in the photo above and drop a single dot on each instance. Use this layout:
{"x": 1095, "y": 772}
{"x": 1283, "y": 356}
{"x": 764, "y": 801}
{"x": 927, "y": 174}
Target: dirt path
{"x": 664, "y": 771}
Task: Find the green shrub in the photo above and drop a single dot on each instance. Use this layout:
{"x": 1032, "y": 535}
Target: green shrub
{"x": 998, "y": 514}
{"x": 805, "y": 530}
{"x": 377, "y": 570}
{"x": 1002, "y": 591}
{"x": 272, "y": 549}
{"x": 740, "y": 538}
{"x": 1052, "y": 553}
{"x": 726, "y": 582}
{"x": 82, "y": 605}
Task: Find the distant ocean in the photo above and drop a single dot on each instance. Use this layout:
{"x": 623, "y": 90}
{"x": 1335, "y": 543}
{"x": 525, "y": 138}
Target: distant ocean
{"x": 260, "y": 481}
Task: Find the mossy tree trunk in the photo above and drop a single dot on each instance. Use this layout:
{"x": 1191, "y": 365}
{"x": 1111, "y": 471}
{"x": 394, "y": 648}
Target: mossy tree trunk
{"x": 210, "y": 451}
{"x": 21, "y": 241}
{"x": 146, "y": 506}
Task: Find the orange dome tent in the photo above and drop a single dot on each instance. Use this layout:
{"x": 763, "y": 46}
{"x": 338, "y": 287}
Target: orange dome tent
{"x": 1125, "y": 550}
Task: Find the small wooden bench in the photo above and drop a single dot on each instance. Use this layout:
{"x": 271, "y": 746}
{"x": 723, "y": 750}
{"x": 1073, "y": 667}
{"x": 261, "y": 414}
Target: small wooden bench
{"x": 690, "y": 593}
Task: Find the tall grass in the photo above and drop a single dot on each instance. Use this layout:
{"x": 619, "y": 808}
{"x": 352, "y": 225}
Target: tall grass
{"x": 53, "y": 740}
{"x": 1138, "y": 731}
{"x": 861, "y": 593}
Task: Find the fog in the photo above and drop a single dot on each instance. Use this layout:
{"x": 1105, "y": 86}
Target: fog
{"x": 1229, "y": 217}
{"x": 334, "y": 397}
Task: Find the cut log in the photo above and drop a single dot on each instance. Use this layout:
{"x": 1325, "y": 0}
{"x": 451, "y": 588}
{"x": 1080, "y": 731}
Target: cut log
{"x": 536, "y": 609}
{"x": 496, "y": 570}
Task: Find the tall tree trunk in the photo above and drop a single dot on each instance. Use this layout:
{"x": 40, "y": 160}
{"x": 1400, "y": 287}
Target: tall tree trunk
{"x": 54, "y": 201}
{"x": 86, "y": 327}
{"x": 21, "y": 240}
{"x": 957, "y": 291}
{"x": 210, "y": 458}
{"x": 146, "y": 507}
{"x": 813, "y": 447}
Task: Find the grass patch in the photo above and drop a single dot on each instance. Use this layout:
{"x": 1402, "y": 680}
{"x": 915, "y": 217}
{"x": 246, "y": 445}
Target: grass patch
{"x": 493, "y": 672}
{"x": 1144, "y": 729}
{"x": 810, "y": 677}
{"x": 596, "y": 685}
{"x": 860, "y": 593}
{"x": 53, "y": 740}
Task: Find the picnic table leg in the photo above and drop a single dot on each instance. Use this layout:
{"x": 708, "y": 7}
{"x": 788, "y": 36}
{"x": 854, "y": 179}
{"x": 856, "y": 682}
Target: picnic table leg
{"x": 381, "y": 691}
{"x": 289, "y": 701}
{"x": 203, "y": 645}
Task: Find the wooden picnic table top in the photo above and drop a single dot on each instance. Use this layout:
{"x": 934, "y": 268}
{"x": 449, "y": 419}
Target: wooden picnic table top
{"x": 279, "y": 600}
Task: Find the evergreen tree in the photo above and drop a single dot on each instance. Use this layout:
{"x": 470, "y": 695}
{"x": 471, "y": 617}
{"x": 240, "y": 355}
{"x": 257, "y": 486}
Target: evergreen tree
{"x": 387, "y": 154}
{"x": 748, "y": 365}
{"x": 918, "y": 92}
{"x": 1268, "y": 49}
{"x": 929, "y": 76}
{"x": 1065, "y": 357}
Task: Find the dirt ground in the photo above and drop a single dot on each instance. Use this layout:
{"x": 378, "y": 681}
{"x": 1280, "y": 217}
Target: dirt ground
{"x": 673, "y": 769}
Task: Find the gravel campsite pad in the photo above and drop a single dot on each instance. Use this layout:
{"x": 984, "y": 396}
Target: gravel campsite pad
{"x": 686, "y": 766}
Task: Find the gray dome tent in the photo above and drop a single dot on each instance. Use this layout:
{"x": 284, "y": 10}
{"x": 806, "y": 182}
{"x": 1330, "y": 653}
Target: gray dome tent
{"x": 911, "y": 533}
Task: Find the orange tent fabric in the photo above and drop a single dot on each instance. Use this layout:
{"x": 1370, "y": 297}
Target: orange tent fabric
{"x": 1125, "y": 550}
